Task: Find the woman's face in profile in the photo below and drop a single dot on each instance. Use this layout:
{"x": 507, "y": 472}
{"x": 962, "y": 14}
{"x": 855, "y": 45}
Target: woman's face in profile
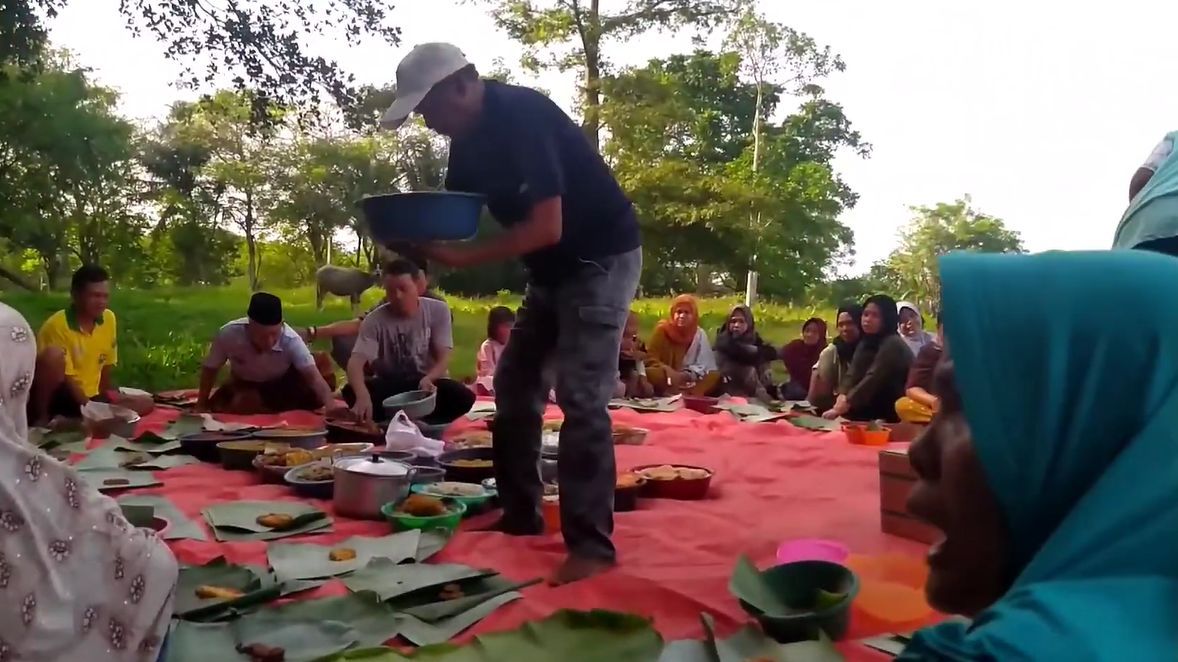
{"x": 872, "y": 319}
{"x": 970, "y": 568}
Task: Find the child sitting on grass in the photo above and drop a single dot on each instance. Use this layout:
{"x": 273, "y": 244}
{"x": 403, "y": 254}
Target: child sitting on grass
{"x": 632, "y": 381}
{"x": 499, "y": 322}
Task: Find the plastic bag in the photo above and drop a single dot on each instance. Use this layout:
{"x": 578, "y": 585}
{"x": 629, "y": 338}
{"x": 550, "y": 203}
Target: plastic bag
{"x": 403, "y": 435}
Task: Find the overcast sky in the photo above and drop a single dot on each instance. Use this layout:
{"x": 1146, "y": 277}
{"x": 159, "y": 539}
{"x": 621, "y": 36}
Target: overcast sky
{"x": 1039, "y": 110}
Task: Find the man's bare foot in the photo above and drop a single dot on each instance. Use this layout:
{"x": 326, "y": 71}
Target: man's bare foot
{"x": 576, "y": 568}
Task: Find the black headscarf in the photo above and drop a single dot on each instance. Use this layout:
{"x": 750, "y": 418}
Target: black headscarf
{"x": 889, "y": 324}
{"x": 846, "y": 350}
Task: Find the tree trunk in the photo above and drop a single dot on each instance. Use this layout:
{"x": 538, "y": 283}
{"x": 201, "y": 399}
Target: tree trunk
{"x": 591, "y": 44}
{"x": 750, "y": 290}
{"x": 15, "y": 278}
{"x": 251, "y": 243}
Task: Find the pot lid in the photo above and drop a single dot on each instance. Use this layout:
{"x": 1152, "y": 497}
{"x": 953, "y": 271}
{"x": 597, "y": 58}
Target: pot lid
{"x": 373, "y": 465}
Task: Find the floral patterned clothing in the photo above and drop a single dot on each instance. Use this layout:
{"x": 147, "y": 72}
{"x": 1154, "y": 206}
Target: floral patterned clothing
{"x": 77, "y": 582}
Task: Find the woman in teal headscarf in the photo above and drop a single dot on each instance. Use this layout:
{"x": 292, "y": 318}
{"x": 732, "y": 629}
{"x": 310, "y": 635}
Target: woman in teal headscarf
{"x": 1060, "y": 520}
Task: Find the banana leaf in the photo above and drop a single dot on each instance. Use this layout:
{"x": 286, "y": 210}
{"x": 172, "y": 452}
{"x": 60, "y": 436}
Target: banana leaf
{"x": 432, "y": 542}
{"x": 180, "y": 526}
{"x": 105, "y": 480}
{"x": 373, "y": 621}
{"x": 237, "y": 520}
{"x": 148, "y": 442}
{"x": 308, "y": 561}
{"x": 185, "y": 424}
{"x": 390, "y": 580}
{"x": 647, "y": 404}
{"x": 747, "y": 644}
{"x": 476, "y": 592}
{"x": 815, "y": 423}
{"x": 749, "y": 584}
{"x": 219, "y": 573}
{"x": 567, "y": 636}
{"x": 72, "y": 441}
{"x": 425, "y": 633}
{"x": 301, "y": 640}
{"x": 124, "y": 456}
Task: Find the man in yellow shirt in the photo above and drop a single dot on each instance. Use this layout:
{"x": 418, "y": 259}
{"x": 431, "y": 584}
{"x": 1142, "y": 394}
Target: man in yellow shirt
{"x": 76, "y": 350}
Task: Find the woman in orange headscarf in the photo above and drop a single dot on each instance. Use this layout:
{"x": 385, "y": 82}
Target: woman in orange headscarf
{"x": 679, "y": 356}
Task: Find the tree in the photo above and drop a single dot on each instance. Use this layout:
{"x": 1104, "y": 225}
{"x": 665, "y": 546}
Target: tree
{"x": 577, "y": 30}
{"x": 680, "y": 145}
{"x": 934, "y": 231}
{"x": 66, "y": 165}
{"x": 770, "y": 51}
{"x": 255, "y": 44}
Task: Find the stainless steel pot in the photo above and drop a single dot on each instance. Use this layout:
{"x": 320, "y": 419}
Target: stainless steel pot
{"x": 365, "y": 483}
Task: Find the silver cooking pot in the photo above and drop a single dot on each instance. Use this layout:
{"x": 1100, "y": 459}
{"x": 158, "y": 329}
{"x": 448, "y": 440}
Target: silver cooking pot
{"x": 364, "y": 483}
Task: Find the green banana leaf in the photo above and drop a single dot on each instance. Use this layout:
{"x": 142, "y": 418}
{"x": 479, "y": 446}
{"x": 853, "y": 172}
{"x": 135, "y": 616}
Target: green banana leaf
{"x": 148, "y": 442}
{"x": 747, "y": 644}
{"x": 426, "y": 607}
{"x": 181, "y": 527}
{"x": 185, "y": 424}
{"x": 390, "y": 580}
{"x": 748, "y": 584}
{"x": 222, "y": 574}
{"x": 116, "y": 456}
{"x": 816, "y": 423}
{"x": 425, "y": 633}
{"x": 138, "y": 515}
{"x": 372, "y": 620}
{"x": 308, "y": 561}
{"x": 647, "y": 404}
{"x": 71, "y": 441}
{"x": 567, "y": 636}
{"x": 301, "y": 641}
{"x": 105, "y": 480}
{"x": 432, "y": 542}
{"x": 237, "y": 520}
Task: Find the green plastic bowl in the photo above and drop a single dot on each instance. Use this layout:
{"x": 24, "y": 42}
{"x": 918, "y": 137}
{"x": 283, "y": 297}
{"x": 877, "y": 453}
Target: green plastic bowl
{"x": 797, "y": 584}
{"x": 473, "y": 503}
{"x": 403, "y": 522}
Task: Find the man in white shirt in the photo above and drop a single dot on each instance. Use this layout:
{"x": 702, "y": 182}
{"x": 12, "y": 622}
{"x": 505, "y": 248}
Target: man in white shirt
{"x": 270, "y": 368}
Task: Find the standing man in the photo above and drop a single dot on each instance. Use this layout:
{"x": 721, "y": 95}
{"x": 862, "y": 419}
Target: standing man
{"x": 77, "y": 350}
{"x": 575, "y": 230}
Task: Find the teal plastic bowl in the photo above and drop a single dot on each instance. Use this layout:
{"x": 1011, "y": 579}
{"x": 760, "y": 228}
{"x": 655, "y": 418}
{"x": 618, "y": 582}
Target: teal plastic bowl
{"x": 473, "y": 503}
{"x": 422, "y": 216}
{"x": 797, "y": 584}
{"x": 403, "y": 522}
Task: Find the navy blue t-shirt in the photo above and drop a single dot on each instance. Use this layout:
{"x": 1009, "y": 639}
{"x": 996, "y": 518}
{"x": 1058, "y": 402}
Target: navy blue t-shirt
{"x": 525, "y": 150}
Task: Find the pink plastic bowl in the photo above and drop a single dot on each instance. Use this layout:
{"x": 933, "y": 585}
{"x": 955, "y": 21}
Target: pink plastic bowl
{"x": 811, "y": 549}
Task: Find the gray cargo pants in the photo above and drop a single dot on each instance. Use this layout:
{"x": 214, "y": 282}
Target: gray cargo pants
{"x": 578, "y": 325}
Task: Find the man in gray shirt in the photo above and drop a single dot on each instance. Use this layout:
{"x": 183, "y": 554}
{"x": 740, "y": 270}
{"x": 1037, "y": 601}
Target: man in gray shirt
{"x": 406, "y": 343}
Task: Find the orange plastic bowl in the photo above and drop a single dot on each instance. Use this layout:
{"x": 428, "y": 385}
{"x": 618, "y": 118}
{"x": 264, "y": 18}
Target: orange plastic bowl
{"x": 855, "y": 433}
{"x": 876, "y": 437}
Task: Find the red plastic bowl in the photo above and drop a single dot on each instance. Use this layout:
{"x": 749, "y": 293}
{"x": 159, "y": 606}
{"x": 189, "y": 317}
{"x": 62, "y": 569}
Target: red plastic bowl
{"x": 701, "y": 403}
{"x": 681, "y": 488}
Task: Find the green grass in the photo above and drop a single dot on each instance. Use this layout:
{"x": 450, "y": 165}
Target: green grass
{"x": 163, "y": 334}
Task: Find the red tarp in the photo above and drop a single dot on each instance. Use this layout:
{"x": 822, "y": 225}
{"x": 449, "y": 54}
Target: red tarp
{"x": 773, "y": 482}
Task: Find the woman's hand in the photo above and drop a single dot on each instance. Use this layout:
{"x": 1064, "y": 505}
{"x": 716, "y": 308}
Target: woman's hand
{"x": 426, "y": 384}
{"x": 840, "y": 408}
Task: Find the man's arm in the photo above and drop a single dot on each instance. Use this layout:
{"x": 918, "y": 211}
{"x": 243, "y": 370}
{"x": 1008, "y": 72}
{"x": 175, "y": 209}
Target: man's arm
{"x": 343, "y": 328}
{"x": 363, "y": 406}
{"x": 208, "y": 379}
{"x": 542, "y": 228}
{"x": 923, "y": 397}
{"x": 52, "y": 337}
{"x": 105, "y": 381}
{"x": 304, "y": 362}
{"x": 441, "y": 341}
{"x": 317, "y": 384}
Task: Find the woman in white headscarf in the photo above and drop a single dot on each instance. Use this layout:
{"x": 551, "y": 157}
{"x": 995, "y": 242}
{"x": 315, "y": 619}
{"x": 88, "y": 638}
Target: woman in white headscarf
{"x": 77, "y": 582}
{"x": 912, "y": 327}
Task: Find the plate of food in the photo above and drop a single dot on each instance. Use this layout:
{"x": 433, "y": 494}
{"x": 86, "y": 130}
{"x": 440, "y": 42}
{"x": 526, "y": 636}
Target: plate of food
{"x": 468, "y": 465}
{"x": 674, "y": 481}
{"x": 315, "y": 480}
{"x": 419, "y": 511}
{"x": 626, "y": 491}
{"x": 472, "y": 495}
{"x": 273, "y": 463}
{"x": 472, "y": 439}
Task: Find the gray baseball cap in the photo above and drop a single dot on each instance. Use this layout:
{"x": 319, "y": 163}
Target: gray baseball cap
{"x": 425, "y": 66}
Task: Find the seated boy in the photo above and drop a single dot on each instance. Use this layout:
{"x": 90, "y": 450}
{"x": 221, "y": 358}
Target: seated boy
{"x": 632, "y": 381}
{"x": 270, "y": 368}
{"x": 77, "y": 350}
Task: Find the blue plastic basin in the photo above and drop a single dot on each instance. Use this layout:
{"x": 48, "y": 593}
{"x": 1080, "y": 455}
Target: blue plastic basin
{"x": 422, "y": 216}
